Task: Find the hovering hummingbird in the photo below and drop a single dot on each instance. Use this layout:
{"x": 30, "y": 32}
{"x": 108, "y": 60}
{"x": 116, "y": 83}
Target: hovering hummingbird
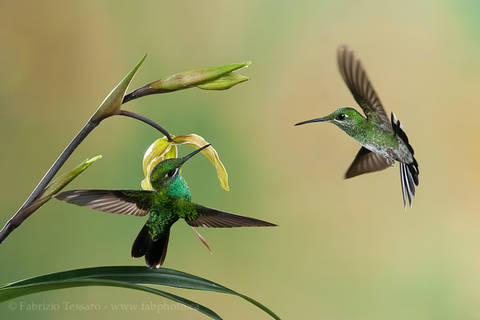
{"x": 383, "y": 141}
{"x": 169, "y": 201}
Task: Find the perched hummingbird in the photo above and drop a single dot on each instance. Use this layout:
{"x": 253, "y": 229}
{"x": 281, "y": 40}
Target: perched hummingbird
{"x": 169, "y": 201}
{"x": 383, "y": 141}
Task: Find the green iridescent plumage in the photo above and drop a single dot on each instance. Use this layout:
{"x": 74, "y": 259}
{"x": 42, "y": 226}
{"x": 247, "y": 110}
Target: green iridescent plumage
{"x": 383, "y": 140}
{"x": 165, "y": 205}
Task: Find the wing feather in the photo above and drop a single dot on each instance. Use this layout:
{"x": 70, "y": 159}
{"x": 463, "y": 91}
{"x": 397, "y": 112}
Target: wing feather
{"x": 129, "y": 202}
{"x": 360, "y": 86}
{"x": 367, "y": 161}
{"x": 212, "y": 218}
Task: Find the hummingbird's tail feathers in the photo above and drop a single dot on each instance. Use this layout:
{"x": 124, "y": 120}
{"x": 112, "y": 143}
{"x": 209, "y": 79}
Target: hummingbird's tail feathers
{"x": 402, "y": 181}
{"x": 131, "y": 202}
{"x": 141, "y": 243}
{"x": 212, "y": 218}
{"x": 367, "y": 161}
{"x": 408, "y": 171}
{"x": 154, "y": 251}
{"x": 157, "y": 251}
{"x": 413, "y": 170}
{"x": 409, "y": 179}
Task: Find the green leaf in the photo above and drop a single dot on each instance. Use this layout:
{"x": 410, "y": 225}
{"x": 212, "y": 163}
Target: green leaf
{"x": 111, "y": 104}
{"x": 7, "y": 293}
{"x": 128, "y": 275}
{"x": 59, "y": 183}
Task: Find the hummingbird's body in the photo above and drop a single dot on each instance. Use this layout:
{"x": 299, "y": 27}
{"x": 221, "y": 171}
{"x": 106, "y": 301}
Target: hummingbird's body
{"x": 166, "y": 204}
{"x": 380, "y": 140}
{"x": 383, "y": 141}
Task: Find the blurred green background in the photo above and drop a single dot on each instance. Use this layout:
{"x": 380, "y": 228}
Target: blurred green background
{"x": 345, "y": 249}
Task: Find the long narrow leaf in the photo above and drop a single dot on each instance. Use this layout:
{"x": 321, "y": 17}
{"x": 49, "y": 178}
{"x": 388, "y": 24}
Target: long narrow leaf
{"x": 7, "y": 293}
{"x": 135, "y": 275}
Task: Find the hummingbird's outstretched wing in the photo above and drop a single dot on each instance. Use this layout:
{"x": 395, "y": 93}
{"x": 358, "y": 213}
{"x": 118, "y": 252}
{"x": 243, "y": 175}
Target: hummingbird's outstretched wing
{"x": 131, "y": 202}
{"x": 212, "y": 218}
{"x": 362, "y": 90}
{"x": 367, "y": 161}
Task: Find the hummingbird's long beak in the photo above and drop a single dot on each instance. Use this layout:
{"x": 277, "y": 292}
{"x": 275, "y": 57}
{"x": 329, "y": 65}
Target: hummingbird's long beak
{"x": 188, "y": 156}
{"x": 310, "y": 121}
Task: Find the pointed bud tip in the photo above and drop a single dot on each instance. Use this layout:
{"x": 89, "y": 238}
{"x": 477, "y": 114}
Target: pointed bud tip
{"x": 98, "y": 157}
{"x": 142, "y": 60}
{"x": 111, "y": 104}
{"x": 246, "y": 64}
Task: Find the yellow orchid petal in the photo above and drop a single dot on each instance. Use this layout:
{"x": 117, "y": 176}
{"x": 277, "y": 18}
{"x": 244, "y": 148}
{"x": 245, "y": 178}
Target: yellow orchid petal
{"x": 196, "y": 141}
{"x": 158, "y": 151}
{"x": 146, "y": 185}
{"x": 158, "y": 148}
{"x": 170, "y": 153}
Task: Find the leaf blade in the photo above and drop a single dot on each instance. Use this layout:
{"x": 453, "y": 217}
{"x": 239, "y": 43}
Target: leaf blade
{"x": 8, "y": 293}
{"x": 138, "y": 274}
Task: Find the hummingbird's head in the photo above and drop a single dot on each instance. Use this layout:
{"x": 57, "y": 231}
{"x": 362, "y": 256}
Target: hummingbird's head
{"x": 344, "y": 118}
{"x": 166, "y": 171}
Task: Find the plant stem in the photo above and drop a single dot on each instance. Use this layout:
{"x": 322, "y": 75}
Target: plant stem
{"x": 23, "y": 214}
{"x": 138, "y": 93}
{"x": 147, "y": 121}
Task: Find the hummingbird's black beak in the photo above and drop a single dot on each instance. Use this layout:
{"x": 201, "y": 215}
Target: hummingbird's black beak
{"x": 310, "y": 121}
{"x": 188, "y": 156}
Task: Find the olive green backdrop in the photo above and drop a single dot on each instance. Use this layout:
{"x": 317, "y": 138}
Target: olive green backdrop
{"x": 345, "y": 249}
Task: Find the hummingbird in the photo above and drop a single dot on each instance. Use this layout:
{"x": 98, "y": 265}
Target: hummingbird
{"x": 169, "y": 201}
{"x": 383, "y": 141}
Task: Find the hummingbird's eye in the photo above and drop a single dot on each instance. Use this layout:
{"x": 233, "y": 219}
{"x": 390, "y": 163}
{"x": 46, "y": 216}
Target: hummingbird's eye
{"x": 341, "y": 117}
{"x": 171, "y": 173}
